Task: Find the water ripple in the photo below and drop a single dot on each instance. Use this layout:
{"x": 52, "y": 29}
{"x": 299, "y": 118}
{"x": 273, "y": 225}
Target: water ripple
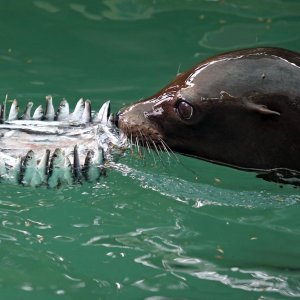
{"x": 83, "y": 11}
{"x": 46, "y": 6}
{"x": 201, "y": 194}
{"x": 244, "y": 279}
{"x": 7, "y": 237}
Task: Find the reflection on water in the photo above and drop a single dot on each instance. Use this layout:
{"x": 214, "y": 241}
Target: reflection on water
{"x": 83, "y": 11}
{"x": 47, "y": 6}
{"x": 143, "y": 9}
{"x": 244, "y": 35}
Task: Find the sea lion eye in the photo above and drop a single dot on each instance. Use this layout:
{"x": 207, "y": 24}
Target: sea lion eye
{"x": 184, "y": 109}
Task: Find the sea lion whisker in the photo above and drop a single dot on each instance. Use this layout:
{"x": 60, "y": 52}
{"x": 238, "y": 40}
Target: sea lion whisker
{"x": 152, "y": 154}
{"x": 148, "y": 146}
{"x": 141, "y": 150}
{"x": 157, "y": 151}
{"x": 169, "y": 149}
{"x": 134, "y": 145}
{"x": 143, "y": 138}
{"x": 164, "y": 147}
{"x": 137, "y": 144}
{"x": 162, "y": 160}
{"x": 131, "y": 141}
{"x": 146, "y": 139}
{"x": 130, "y": 144}
{"x": 165, "y": 150}
{"x": 147, "y": 143}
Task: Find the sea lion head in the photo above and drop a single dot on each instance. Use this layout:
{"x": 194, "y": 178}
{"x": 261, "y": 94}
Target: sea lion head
{"x": 233, "y": 109}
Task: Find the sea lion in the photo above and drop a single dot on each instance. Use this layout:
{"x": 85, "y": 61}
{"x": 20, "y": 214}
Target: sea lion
{"x": 240, "y": 109}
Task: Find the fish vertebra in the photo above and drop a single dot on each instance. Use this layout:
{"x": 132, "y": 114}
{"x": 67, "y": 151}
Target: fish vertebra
{"x": 75, "y": 147}
{"x": 63, "y": 111}
{"x": 26, "y": 114}
{"x": 49, "y": 111}
{"x": 14, "y": 109}
{"x": 75, "y": 116}
{"x": 38, "y": 113}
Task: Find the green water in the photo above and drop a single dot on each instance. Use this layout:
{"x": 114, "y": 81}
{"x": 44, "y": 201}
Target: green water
{"x": 151, "y": 229}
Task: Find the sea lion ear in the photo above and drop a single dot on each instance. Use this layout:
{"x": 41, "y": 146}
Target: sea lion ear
{"x": 262, "y": 109}
{"x": 224, "y": 95}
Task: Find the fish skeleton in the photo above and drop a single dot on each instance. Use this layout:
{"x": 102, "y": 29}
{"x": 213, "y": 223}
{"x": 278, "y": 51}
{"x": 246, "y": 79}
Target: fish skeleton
{"x": 55, "y": 148}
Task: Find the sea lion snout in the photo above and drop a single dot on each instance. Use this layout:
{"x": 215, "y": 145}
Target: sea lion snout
{"x": 134, "y": 121}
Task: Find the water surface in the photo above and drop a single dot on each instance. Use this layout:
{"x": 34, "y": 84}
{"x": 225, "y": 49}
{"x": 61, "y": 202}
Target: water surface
{"x": 169, "y": 228}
